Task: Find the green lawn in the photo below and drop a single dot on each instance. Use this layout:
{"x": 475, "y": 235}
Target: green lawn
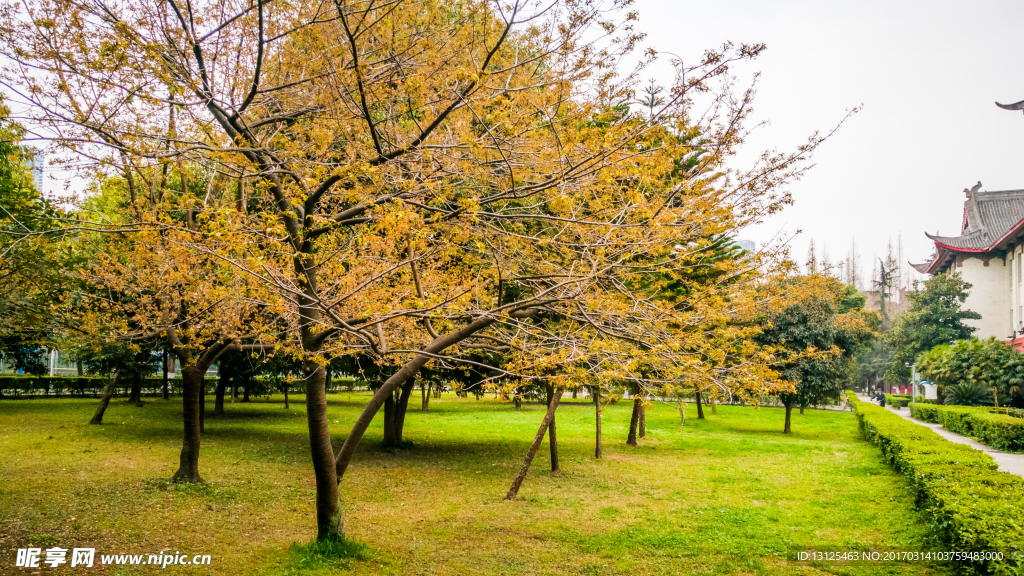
{"x": 727, "y": 495}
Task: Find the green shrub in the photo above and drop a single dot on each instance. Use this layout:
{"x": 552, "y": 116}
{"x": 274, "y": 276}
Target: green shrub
{"x": 984, "y": 424}
{"x": 925, "y": 412}
{"x": 18, "y": 385}
{"x": 968, "y": 393}
{"x": 973, "y": 506}
{"x": 897, "y": 401}
{"x": 968, "y": 370}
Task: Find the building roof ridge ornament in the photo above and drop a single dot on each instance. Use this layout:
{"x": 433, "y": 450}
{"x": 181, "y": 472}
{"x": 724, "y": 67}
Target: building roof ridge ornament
{"x": 1014, "y": 106}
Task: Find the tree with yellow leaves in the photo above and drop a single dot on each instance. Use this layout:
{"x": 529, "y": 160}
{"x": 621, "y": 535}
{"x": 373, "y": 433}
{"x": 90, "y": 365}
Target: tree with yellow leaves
{"x": 412, "y": 180}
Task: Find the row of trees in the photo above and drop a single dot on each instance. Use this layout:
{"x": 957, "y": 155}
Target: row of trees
{"x": 935, "y": 317}
{"x": 933, "y": 335}
{"x": 416, "y": 189}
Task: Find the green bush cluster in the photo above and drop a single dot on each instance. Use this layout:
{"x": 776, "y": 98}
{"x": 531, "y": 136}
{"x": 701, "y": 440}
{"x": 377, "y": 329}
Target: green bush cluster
{"x": 984, "y": 424}
{"x": 69, "y": 386}
{"x": 968, "y": 370}
{"x": 973, "y": 506}
{"x": 898, "y": 401}
{"x": 93, "y": 386}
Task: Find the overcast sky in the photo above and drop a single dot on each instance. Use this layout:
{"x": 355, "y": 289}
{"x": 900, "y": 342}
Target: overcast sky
{"x": 927, "y": 74}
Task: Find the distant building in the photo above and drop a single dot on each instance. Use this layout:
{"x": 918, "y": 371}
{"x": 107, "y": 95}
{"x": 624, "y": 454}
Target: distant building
{"x": 893, "y": 308}
{"x": 748, "y": 245}
{"x": 37, "y": 161}
{"x": 988, "y": 253}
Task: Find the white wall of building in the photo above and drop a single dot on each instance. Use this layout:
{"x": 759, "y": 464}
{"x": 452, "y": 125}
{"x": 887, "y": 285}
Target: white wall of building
{"x": 1013, "y": 295}
{"x": 992, "y": 294}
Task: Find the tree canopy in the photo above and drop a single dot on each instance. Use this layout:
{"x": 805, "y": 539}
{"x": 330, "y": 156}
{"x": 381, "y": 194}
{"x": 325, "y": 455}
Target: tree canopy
{"x": 820, "y": 314}
{"x": 975, "y": 366}
{"x": 936, "y": 316}
{"x": 431, "y": 186}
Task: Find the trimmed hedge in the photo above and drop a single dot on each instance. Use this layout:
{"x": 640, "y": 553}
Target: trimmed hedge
{"x": 898, "y": 401}
{"x": 984, "y": 424}
{"x": 973, "y": 506}
{"x": 82, "y": 386}
{"x": 22, "y": 386}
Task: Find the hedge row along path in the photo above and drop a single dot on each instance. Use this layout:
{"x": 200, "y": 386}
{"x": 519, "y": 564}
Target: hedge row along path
{"x": 1011, "y": 463}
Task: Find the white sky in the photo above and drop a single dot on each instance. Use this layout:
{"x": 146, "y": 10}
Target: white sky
{"x": 927, "y": 74}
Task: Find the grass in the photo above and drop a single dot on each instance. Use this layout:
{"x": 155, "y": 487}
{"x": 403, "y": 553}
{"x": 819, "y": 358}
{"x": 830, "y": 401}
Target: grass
{"x": 727, "y": 495}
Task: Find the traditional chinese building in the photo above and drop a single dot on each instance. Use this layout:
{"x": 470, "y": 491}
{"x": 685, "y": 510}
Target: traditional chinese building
{"x": 988, "y": 253}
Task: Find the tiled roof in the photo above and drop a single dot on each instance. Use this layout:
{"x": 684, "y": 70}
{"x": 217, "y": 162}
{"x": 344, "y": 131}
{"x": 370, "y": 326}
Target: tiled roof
{"x": 988, "y": 216}
{"x": 922, "y": 268}
{"x": 973, "y": 241}
{"x": 998, "y": 211}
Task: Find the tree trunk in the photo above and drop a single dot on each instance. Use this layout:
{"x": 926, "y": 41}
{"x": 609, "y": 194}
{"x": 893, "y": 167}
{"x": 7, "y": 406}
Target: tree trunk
{"x": 245, "y": 393}
{"x": 135, "y": 396}
{"x": 329, "y": 523}
{"x": 167, "y": 392}
{"x": 518, "y": 401}
{"x": 552, "y": 437}
{"x": 597, "y": 426}
{"x": 642, "y": 424}
{"x": 191, "y": 390}
{"x": 81, "y": 370}
{"x": 801, "y": 410}
{"x": 108, "y": 391}
{"x": 202, "y": 406}
{"x": 389, "y": 420}
{"x": 700, "y": 409}
{"x": 401, "y": 409}
{"x": 682, "y": 413}
{"x": 285, "y": 395}
{"x": 395, "y": 407}
{"x": 634, "y": 420}
{"x": 789, "y": 410}
{"x": 548, "y": 418}
{"x": 425, "y": 393}
{"x": 408, "y": 370}
{"x": 222, "y": 383}
{"x": 574, "y": 391}
{"x": 714, "y": 406}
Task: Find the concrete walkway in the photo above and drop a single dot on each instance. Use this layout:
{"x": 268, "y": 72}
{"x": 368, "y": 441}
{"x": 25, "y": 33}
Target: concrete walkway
{"x": 1012, "y": 463}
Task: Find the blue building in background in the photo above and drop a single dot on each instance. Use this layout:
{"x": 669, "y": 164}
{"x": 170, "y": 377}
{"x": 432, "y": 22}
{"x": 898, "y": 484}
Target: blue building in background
{"x": 37, "y": 161}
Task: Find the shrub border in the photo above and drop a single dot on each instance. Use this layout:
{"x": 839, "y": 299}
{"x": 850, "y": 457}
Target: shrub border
{"x": 973, "y": 506}
{"x": 999, "y": 431}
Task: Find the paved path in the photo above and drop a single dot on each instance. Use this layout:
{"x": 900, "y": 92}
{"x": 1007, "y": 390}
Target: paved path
{"x": 1012, "y": 463}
